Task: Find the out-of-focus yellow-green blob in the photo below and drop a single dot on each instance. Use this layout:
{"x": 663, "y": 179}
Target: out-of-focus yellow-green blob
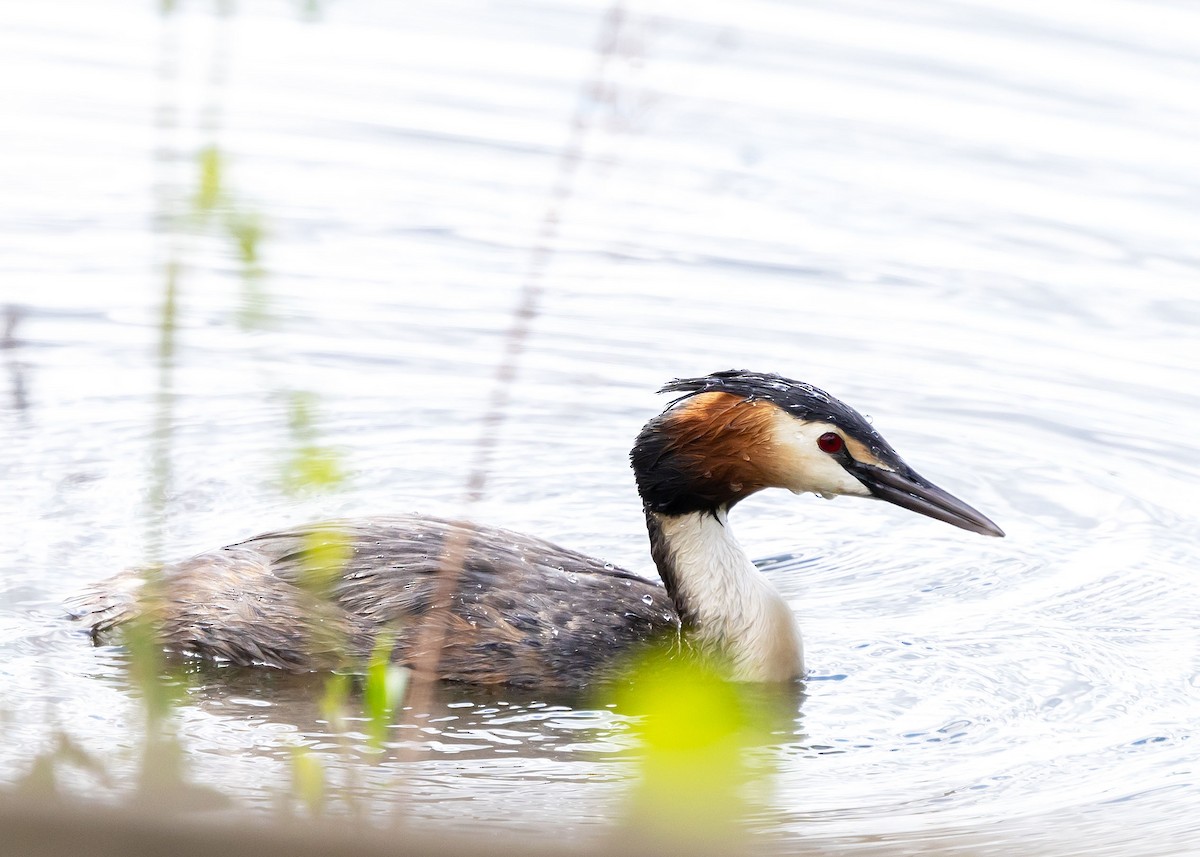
{"x": 311, "y": 465}
{"x": 247, "y": 231}
{"x": 695, "y": 728}
{"x": 209, "y": 191}
{"x": 326, "y": 552}
{"x": 308, "y": 779}
{"x": 333, "y": 700}
{"x": 159, "y": 689}
{"x": 383, "y": 688}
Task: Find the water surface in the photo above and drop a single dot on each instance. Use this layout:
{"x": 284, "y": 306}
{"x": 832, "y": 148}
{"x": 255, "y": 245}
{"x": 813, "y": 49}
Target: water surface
{"x": 974, "y": 221}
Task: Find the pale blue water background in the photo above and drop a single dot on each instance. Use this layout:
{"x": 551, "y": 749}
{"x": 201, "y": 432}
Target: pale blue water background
{"x": 974, "y": 221}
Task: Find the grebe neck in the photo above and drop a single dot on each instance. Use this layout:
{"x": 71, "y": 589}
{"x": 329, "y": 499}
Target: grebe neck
{"x": 728, "y": 608}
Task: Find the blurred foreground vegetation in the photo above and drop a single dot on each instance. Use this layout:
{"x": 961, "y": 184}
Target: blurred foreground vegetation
{"x": 695, "y": 778}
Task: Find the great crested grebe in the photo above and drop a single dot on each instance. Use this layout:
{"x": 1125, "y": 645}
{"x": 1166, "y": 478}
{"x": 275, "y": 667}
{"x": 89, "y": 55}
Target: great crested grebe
{"x": 527, "y": 612}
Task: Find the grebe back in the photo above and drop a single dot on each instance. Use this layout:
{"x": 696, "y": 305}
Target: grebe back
{"x": 526, "y": 612}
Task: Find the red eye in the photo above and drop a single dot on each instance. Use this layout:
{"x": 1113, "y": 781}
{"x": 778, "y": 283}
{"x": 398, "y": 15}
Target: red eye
{"x": 830, "y": 442}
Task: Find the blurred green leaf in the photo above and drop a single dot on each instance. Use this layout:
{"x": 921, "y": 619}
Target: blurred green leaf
{"x": 160, "y": 691}
{"x": 312, "y": 467}
{"x": 383, "y": 688}
{"x": 333, "y": 700}
{"x": 326, "y": 552}
{"x": 308, "y": 779}
{"x": 695, "y": 729}
{"x": 310, "y": 10}
{"x": 247, "y": 231}
{"x": 208, "y": 190}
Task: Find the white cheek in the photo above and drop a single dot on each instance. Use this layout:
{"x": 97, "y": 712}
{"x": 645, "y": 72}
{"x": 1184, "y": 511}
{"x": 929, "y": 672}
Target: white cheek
{"x": 809, "y": 470}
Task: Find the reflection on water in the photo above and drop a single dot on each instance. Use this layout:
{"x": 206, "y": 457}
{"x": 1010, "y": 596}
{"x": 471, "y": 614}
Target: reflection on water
{"x": 973, "y": 221}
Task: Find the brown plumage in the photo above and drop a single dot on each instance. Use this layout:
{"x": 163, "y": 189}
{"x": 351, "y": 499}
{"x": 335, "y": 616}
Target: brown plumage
{"x": 523, "y": 611}
{"x": 728, "y": 440}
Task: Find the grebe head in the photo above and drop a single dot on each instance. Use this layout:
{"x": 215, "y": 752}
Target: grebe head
{"x": 734, "y": 433}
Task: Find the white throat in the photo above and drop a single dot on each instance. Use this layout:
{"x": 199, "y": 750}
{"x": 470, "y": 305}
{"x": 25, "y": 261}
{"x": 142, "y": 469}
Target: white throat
{"x": 733, "y": 609}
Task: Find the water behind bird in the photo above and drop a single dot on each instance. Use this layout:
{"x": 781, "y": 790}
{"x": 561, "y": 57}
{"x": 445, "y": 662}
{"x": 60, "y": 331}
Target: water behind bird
{"x": 994, "y": 258}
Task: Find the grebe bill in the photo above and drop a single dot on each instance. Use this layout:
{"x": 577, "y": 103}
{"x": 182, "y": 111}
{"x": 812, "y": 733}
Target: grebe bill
{"x": 527, "y": 612}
